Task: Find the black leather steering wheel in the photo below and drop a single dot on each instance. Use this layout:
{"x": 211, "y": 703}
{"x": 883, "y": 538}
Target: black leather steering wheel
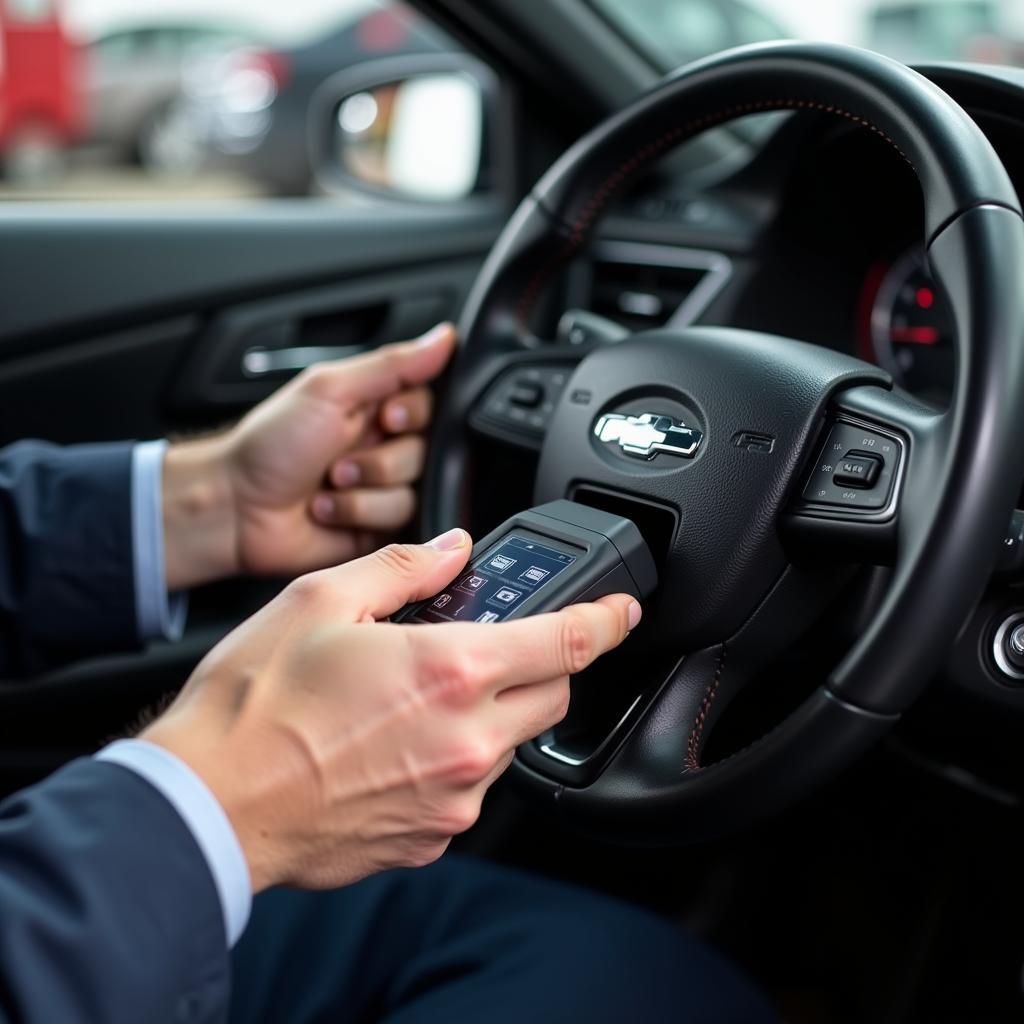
{"x": 732, "y": 594}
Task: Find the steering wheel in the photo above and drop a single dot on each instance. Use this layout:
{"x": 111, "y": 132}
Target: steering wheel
{"x": 779, "y": 419}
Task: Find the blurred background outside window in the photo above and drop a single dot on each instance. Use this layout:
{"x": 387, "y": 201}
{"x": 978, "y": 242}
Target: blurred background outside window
{"x": 209, "y": 99}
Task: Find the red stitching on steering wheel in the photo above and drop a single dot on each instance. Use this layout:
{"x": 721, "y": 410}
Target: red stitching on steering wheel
{"x": 607, "y": 189}
{"x": 693, "y": 743}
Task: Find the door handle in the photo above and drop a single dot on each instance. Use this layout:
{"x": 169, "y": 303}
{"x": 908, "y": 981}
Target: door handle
{"x": 258, "y": 362}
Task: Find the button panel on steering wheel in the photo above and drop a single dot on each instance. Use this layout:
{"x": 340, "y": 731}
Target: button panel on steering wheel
{"x": 522, "y": 401}
{"x": 856, "y": 471}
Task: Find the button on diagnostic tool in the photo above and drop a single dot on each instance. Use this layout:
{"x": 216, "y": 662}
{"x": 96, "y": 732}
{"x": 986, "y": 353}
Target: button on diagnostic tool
{"x": 542, "y": 560}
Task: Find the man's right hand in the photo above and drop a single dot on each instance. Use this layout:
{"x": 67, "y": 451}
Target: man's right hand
{"x": 340, "y": 745}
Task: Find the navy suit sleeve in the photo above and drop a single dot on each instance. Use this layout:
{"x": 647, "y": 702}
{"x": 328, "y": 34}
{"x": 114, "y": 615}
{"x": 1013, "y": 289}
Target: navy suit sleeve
{"x": 66, "y": 572}
{"x": 108, "y": 911}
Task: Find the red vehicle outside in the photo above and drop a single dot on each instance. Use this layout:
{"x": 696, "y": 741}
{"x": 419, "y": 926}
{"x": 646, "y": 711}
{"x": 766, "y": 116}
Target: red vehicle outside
{"x": 40, "y": 84}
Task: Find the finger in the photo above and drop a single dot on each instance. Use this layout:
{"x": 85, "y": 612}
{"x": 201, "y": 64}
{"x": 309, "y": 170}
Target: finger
{"x": 367, "y": 508}
{"x": 527, "y": 711}
{"x": 378, "y": 375}
{"x": 382, "y": 582}
{"x": 409, "y": 411}
{"x": 334, "y": 547}
{"x": 398, "y": 461}
{"x": 532, "y": 650}
{"x": 371, "y": 436}
{"x": 496, "y": 772}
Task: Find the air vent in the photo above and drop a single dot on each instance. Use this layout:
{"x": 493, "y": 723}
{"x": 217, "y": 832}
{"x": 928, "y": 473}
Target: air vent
{"x": 645, "y": 286}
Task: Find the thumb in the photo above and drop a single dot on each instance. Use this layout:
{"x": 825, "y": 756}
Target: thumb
{"x": 381, "y": 583}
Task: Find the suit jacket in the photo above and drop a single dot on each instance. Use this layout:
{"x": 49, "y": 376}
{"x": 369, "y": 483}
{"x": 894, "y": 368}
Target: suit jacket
{"x": 66, "y": 583}
{"x": 108, "y": 909}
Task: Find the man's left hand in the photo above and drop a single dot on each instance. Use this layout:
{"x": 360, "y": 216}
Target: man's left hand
{"x": 315, "y": 475}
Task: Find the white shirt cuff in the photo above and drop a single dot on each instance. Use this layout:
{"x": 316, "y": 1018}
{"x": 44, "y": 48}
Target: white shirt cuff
{"x": 205, "y": 818}
{"x": 158, "y": 615}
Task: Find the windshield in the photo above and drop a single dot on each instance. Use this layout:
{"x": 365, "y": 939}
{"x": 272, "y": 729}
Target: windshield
{"x": 674, "y": 32}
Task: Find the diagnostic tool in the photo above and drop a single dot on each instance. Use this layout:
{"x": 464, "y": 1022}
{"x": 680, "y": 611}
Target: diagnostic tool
{"x": 541, "y": 560}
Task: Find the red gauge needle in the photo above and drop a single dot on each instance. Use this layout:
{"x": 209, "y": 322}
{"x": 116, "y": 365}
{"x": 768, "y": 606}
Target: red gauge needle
{"x": 915, "y": 335}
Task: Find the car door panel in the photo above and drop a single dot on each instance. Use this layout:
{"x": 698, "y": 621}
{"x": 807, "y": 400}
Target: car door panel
{"x": 245, "y": 350}
{"x": 72, "y": 271}
{"x": 120, "y": 323}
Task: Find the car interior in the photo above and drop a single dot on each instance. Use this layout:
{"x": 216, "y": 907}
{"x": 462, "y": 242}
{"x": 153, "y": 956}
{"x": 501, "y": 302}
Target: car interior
{"x": 810, "y": 753}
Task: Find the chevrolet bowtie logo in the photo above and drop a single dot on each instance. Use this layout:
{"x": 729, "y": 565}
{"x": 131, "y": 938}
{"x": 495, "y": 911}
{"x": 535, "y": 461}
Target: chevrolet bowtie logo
{"x": 646, "y": 435}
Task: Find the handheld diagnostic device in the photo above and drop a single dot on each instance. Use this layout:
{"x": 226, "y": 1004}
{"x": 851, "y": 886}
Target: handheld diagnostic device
{"x": 541, "y": 560}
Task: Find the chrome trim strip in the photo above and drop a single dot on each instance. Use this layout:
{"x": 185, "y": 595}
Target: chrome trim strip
{"x": 259, "y": 361}
{"x": 553, "y": 752}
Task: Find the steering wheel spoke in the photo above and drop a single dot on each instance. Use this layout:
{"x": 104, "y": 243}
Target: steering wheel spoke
{"x": 672, "y": 715}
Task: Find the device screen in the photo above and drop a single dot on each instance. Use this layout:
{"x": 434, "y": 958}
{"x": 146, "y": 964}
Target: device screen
{"x": 512, "y": 571}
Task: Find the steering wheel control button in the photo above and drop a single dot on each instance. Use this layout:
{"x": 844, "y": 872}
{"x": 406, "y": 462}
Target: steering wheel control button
{"x": 1008, "y": 647}
{"x": 855, "y": 469}
{"x": 527, "y": 393}
{"x": 519, "y": 405}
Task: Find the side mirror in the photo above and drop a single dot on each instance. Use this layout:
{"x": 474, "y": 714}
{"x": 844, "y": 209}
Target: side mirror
{"x": 411, "y": 128}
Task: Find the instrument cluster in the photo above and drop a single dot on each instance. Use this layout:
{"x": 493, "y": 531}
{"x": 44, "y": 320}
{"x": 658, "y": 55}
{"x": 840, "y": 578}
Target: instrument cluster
{"x": 906, "y": 327}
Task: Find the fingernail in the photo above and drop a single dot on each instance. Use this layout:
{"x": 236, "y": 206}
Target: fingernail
{"x": 435, "y": 334}
{"x": 346, "y": 474}
{"x": 635, "y": 614}
{"x": 449, "y": 541}
{"x": 398, "y": 417}
{"x": 323, "y": 507}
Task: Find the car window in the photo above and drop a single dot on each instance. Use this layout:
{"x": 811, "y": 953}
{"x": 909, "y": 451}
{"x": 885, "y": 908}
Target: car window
{"x": 179, "y": 99}
{"x": 698, "y": 27}
{"x": 754, "y": 27}
{"x": 909, "y": 30}
{"x": 923, "y": 32}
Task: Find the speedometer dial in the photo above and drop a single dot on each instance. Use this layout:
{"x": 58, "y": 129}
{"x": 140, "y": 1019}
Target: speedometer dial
{"x": 909, "y": 330}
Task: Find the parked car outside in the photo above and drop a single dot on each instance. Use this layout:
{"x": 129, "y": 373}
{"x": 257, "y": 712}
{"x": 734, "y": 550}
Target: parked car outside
{"x": 252, "y": 105}
{"x": 134, "y": 91}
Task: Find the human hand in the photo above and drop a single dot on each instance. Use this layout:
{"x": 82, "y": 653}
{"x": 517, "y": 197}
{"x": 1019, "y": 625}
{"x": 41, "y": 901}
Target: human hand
{"x": 340, "y": 745}
{"x": 311, "y": 477}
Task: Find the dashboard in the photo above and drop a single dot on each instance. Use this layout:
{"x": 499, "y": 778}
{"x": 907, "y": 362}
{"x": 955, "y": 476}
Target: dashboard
{"x": 820, "y": 234}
